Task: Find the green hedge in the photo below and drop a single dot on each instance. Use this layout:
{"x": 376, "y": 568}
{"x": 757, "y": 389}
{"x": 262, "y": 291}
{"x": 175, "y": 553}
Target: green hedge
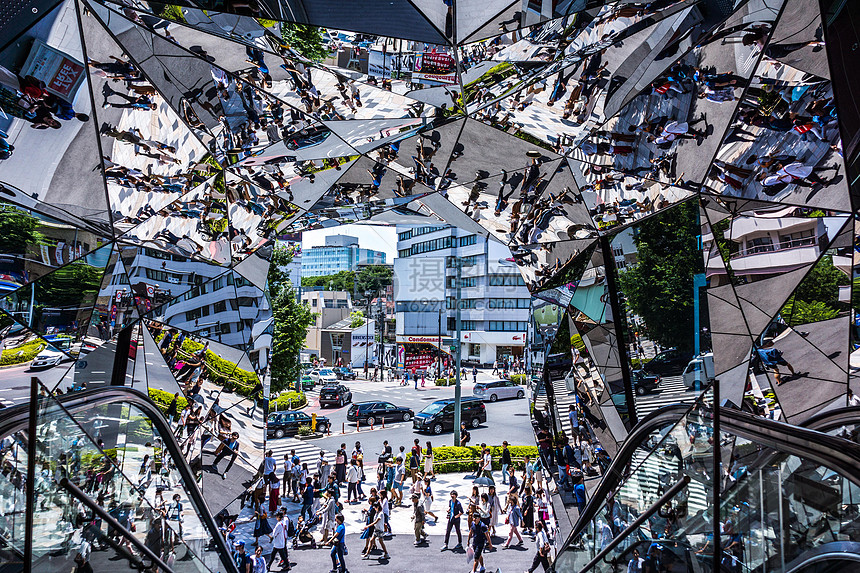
{"x": 221, "y": 372}
{"x": 282, "y": 402}
{"x": 446, "y": 381}
{"x": 450, "y": 459}
{"x": 518, "y": 378}
{"x": 23, "y": 353}
{"x": 163, "y": 399}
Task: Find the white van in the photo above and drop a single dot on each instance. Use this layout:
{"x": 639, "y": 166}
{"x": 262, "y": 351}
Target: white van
{"x": 699, "y": 372}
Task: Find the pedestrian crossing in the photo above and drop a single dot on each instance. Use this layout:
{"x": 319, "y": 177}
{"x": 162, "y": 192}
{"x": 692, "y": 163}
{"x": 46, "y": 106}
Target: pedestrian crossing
{"x": 655, "y": 474}
{"x": 305, "y": 449}
{"x": 672, "y": 391}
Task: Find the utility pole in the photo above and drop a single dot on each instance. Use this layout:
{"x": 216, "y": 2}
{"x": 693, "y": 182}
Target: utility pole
{"x": 439, "y": 349}
{"x": 457, "y": 391}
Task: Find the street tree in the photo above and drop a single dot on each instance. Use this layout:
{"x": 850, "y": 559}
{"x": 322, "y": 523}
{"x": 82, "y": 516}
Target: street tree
{"x": 306, "y": 40}
{"x": 291, "y": 319}
{"x": 659, "y": 288}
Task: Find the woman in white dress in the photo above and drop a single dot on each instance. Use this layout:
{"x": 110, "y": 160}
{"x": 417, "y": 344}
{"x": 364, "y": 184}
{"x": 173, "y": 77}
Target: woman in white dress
{"x": 428, "y": 461}
{"x": 495, "y": 508}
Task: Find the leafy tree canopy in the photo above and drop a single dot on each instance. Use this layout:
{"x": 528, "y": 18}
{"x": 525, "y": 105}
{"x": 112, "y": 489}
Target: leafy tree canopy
{"x": 306, "y": 40}
{"x": 18, "y": 229}
{"x": 370, "y": 278}
{"x": 660, "y": 287}
{"x": 291, "y": 320}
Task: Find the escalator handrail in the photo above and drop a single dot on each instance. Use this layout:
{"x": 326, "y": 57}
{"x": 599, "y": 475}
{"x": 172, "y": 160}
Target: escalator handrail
{"x": 773, "y": 438}
{"x": 16, "y": 418}
{"x": 667, "y": 415}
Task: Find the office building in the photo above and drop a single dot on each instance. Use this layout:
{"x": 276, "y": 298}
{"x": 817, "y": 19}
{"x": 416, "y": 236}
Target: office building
{"x": 340, "y": 253}
{"x": 494, "y": 299}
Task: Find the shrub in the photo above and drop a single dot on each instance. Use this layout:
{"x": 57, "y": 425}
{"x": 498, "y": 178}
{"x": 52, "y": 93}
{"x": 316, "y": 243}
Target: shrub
{"x": 446, "y": 381}
{"x": 518, "y": 378}
{"x": 289, "y": 400}
{"x": 23, "y": 353}
{"x": 163, "y": 399}
{"x": 451, "y": 459}
{"x": 305, "y": 430}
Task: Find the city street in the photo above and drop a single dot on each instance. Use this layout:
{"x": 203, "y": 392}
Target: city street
{"x": 511, "y": 414}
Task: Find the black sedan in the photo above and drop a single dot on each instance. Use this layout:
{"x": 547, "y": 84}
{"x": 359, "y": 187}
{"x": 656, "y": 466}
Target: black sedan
{"x": 370, "y": 413}
{"x": 287, "y": 423}
{"x": 644, "y": 383}
{"x": 668, "y": 363}
{"x": 335, "y": 395}
{"x": 344, "y": 373}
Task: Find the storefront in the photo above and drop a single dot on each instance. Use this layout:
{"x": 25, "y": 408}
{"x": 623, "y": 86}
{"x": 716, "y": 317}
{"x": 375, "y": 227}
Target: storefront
{"x": 421, "y": 352}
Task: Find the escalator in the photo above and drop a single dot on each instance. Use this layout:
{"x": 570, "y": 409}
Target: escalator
{"x": 789, "y": 497}
{"x": 110, "y": 484}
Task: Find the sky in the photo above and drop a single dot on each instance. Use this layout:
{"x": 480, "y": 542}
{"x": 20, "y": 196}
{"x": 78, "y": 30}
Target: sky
{"x": 376, "y": 237}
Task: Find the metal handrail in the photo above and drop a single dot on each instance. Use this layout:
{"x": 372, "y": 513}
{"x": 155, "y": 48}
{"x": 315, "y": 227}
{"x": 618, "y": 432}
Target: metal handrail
{"x": 16, "y": 418}
{"x": 774, "y": 435}
{"x": 112, "y": 523}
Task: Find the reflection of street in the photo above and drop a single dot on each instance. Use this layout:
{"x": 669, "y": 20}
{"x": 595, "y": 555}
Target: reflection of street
{"x": 671, "y": 391}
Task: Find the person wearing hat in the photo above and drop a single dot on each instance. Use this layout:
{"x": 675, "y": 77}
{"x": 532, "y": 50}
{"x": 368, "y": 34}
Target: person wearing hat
{"x": 240, "y": 558}
{"x": 418, "y": 519}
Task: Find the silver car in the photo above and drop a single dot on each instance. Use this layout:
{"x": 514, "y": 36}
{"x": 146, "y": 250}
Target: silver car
{"x": 496, "y": 389}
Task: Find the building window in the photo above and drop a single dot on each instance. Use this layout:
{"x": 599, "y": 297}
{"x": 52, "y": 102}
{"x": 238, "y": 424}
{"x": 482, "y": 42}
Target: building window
{"x": 470, "y": 240}
{"x": 508, "y": 325}
{"x": 509, "y": 303}
{"x": 469, "y": 261}
{"x": 465, "y": 303}
{"x": 474, "y": 349}
{"x": 220, "y": 306}
{"x": 507, "y": 280}
{"x": 464, "y": 324}
{"x": 465, "y": 282}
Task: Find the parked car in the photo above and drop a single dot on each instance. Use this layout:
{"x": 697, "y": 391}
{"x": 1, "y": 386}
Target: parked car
{"x": 496, "y": 389}
{"x": 335, "y": 394}
{"x": 374, "y": 412}
{"x": 439, "y": 416}
{"x": 323, "y": 376}
{"x": 305, "y": 383}
{"x": 644, "y": 383}
{"x": 344, "y": 373}
{"x": 306, "y": 138}
{"x": 668, "y": 363}
{"x": 558, "y": 365}
{"x": 280, "y": 424}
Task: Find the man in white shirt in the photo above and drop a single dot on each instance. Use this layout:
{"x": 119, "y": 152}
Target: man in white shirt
{"x": 543, "y": 549}
{"x": 279, "y": 541}
{"x": 487, "y": 464}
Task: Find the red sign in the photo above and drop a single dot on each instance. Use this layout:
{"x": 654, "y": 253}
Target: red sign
{"x": 65, "y": 77}
{"x": 61, "y": 73}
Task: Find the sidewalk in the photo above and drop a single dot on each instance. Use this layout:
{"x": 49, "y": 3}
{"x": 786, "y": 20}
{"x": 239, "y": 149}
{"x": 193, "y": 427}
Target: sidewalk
{"x": 401, "y": 522}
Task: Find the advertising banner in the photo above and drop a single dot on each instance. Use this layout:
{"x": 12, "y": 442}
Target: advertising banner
{"x": 434, "y": 67}
{"x": 62, "y": 74}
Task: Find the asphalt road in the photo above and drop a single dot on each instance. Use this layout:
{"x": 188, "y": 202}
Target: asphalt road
{"x": 511, "y": 415}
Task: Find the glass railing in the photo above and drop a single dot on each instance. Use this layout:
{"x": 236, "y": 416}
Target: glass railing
{"x": 103, "y": 457}
{"x": 775, "y": 508}
{"x": 97, "y": 466}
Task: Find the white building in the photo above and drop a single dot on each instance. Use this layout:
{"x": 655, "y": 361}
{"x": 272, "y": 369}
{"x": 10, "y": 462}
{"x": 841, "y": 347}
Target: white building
{"x": 217, "y": 303}
{"x": 767, "y": 243}
{"x": 495, "y": 301}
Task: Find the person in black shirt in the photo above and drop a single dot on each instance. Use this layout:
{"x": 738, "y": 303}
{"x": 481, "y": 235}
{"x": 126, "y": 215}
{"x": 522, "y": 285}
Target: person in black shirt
{"x": 478, "y": 535}
{"x": 506, "y": 461}
{"x": 455, "y": 510}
